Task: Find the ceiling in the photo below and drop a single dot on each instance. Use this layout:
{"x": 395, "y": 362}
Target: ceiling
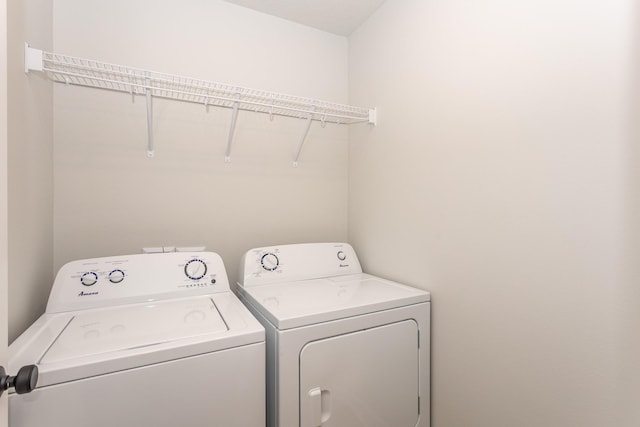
{"x": 340, "y": 17}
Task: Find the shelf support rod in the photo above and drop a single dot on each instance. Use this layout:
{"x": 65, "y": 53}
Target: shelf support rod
{"x": 304, "y": 136}
{"x": 150, "y": 152}
{"x": 232, "y": 128}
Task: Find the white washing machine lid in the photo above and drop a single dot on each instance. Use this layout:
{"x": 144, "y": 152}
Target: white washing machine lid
{"x": 295, "y": 304}
{"x": 96, "y": 332}
{"x": 82, "y": 344}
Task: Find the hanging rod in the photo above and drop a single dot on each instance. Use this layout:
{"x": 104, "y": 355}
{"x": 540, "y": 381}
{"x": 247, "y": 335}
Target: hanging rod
{"x": 90, "y": 73}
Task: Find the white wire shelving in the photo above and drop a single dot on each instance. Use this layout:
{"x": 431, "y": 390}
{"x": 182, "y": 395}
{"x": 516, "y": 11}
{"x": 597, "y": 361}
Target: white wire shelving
{"x": 150, "y": 84}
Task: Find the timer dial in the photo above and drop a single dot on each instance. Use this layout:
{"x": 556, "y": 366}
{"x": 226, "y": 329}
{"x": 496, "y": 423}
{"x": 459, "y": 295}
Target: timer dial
{"x": 89, "y": 279}
{"x": 270, "y": 261}
{"x": 341, "y": 255}
{"x": 116, "y": 276}
{"x": 195, "y": 269}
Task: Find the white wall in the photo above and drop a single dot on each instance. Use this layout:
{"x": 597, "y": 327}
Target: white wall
{"x": 30, "y": 166}
{"x": 4, "y": 257}
{"x": 111, "y": 199}
{"x": 498, "y": 178}
{"x": 629, "y": 364}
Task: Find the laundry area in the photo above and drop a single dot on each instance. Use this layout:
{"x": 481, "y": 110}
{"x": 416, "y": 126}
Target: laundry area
{"x": 483, "y": 154}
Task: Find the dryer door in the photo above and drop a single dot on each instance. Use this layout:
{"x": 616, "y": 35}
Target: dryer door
{"x": 365, "y": 378}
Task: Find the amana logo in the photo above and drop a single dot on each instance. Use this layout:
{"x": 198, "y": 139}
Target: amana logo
{"x": 344, "y": 265}
{"x": 84, "y": 294}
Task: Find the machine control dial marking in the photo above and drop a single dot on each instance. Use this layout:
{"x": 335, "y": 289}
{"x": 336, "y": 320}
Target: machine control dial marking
{"x": 195, "y": 269}
{"x": 341, "y": 255}
{"x": 116, "y": 276}
{"x": 89, "y": 279}
{"x": 270, "y": 261}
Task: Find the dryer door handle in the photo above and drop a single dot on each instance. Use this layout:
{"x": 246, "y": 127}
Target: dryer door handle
{"x": 320, "y": 402}
{"x": 24, "y": 382}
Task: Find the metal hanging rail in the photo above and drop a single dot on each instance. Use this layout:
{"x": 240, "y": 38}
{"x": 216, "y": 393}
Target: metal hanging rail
{"x": 150, "y": 84}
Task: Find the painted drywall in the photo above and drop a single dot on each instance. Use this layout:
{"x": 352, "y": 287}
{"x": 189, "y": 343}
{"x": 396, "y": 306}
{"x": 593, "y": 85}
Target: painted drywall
{"x": 4, "y": 261}
{"x": 499, "y": 178}
{"x": 629, "y": 339}
{"x": 110, "y": 198}
{"x": 30, "y": 169}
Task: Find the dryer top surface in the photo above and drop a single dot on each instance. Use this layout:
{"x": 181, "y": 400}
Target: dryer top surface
{"x": 295, "y": 304}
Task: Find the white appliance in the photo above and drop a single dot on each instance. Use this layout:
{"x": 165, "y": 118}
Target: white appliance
{"x": 142, "y": 340}
{"x": 344, "y": 349}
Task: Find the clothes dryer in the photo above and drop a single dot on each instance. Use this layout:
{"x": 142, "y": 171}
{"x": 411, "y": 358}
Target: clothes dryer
{"x": 142, "y": 340}
{"x": 344, "y": 348}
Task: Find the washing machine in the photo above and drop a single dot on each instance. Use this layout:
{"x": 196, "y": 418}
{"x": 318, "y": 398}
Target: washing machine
{"x": 344, "y": 348}
{"x": 142, "y": 340}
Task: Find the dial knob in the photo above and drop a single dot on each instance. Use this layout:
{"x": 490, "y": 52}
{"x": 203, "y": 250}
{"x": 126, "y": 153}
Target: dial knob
{"x": 89, "y": 279}
{"x": 116, "y": 276}
{"x": 341, "y": 255}
{"x": 195, "y": 269}
{"x": 269, "y": 261}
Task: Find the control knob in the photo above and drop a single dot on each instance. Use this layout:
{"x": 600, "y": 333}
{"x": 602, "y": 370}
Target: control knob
{"x": 116, "y": 276}
{"x": 89, "y": 279}
{"x": 270, "y": 261}
{"x": 195, "y": 269}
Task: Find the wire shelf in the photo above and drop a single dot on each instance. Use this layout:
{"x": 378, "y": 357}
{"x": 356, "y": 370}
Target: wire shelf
{"x": 151, "y": 84}
{"x": 85, "y": 72}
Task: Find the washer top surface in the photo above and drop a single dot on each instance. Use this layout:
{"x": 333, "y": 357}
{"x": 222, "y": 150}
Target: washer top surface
{"x": 168, "y": 314}
{"x": 295, "y": 304}
{"x": 117, "y": 329}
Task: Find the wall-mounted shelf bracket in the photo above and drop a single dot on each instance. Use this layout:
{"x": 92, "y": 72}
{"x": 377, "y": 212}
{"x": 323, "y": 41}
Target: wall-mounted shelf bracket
{"x": 32, "y": 59}
{"x": 148, "y": 92}
{"x": 304, "y": 136}
{"x": 136, "y": 82}
{"x": 232, "y": 128}
{"x": 373, "y": 116}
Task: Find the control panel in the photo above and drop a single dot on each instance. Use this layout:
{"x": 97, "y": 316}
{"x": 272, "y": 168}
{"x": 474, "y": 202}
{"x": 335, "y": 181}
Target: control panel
{"x": 101, "y": 282}
{"x": 288, "y": 263}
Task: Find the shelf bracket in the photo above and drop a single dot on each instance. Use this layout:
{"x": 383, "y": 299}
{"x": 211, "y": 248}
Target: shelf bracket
{"x": 373, "y": 116}
{"x": 304, "y": 136}
{"x": 150, "y": 152}
{"x": 32, "y": 59}
{"x": 132, "y": 90}
{"x": 232, "y": 128}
